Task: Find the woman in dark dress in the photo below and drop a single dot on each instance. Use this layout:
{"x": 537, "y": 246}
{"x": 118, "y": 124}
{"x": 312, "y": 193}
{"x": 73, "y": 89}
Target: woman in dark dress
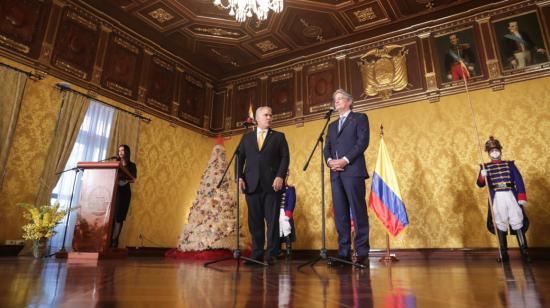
{"x": 124, "y": 192}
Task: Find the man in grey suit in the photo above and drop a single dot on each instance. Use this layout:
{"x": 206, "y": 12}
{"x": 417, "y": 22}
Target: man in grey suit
{"x": 346, "y": 141}
{"x": 263, "y": 164}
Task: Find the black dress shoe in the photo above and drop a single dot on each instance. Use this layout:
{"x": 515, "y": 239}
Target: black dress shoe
{"x": 364, "y": 260}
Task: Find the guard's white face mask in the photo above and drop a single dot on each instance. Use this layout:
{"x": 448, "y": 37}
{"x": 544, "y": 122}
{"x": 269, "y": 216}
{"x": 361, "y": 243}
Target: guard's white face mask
{"x": 495, "y": 154}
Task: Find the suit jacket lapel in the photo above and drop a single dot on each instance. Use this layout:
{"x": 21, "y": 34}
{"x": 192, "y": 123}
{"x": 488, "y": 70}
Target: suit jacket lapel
{"x": 255, "y": 138}
{"x": 266, "y": 139}
{"x": 346, "y": 122}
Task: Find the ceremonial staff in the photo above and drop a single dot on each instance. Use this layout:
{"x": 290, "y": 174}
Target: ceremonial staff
{"x": 465, "y": 76}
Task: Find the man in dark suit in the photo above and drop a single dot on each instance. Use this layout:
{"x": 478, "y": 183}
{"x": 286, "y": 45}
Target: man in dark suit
{"x": 346, "y": 141}
{"x": 263, "y": 164}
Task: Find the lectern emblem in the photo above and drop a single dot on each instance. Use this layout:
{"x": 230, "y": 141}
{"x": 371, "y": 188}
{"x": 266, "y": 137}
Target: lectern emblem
{"x": 384, "y": 70}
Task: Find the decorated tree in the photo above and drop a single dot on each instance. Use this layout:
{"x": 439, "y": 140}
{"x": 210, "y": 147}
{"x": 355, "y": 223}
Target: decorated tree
{"x": 211, "y": 223}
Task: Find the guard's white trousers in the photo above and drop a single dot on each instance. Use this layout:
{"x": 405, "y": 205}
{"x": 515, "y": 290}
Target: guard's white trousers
{"x": 507, "y": 211}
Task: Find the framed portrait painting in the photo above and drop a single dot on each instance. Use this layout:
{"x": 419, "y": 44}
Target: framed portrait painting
{"x": 520, "y": 41}
{"x": 457, "y": 52}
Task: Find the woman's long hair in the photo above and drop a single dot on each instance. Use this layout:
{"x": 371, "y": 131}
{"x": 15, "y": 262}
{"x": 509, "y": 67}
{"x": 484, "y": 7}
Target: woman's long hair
{"x": 127, "y": 153}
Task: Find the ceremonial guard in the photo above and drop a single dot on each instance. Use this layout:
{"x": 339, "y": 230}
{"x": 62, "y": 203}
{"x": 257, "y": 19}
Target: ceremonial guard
{"x": 508, "y": 198}
{"x": 287, "y": 231}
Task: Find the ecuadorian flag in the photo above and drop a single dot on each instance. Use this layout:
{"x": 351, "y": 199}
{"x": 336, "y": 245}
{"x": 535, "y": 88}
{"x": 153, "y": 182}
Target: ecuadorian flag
{"x": 385, "y": 197}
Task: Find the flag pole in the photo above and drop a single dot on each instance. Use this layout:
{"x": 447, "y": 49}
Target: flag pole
{"x": 465, "y": 75}
{"x": 388, "y": 258}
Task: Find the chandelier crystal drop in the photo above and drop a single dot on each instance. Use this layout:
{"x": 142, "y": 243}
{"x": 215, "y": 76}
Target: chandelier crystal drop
{"x": 243, "y": 9}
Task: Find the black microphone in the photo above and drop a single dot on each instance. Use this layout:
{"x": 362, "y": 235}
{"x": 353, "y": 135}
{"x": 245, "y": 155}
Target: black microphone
{"x": 106, "y": 159}
{"x": 329, "y": 113}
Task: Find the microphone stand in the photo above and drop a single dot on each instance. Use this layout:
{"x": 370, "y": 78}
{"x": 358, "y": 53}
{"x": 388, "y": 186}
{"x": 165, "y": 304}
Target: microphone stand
{"x": 62, "y": 253}
{"x": 323, "y": 252}
{"x": 107, "y": 159}
{"x": 236, "y": 252}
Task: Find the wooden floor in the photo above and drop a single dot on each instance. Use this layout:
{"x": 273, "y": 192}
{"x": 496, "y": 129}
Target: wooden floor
{"x": 159, "y": 282}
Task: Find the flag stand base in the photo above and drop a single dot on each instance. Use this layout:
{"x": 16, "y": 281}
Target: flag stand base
{"x": 388, "y": 259}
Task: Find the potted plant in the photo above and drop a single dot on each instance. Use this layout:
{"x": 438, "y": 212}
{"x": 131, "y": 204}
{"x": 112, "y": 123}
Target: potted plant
{"x": 42, "y": 221}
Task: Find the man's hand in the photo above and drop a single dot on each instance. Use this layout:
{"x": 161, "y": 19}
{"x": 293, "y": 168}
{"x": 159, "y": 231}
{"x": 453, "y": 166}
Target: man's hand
{"x": 242, "y": 186}
{"x": 277, "y": 183}
{"x": 483, "y": 173}
{"x": 337, "y": 164}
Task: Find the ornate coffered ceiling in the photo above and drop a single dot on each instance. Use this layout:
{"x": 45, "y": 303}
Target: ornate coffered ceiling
{"x": 207, "y": 37}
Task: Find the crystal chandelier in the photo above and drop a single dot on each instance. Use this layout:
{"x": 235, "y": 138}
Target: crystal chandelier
{"x": 243, "y": 9}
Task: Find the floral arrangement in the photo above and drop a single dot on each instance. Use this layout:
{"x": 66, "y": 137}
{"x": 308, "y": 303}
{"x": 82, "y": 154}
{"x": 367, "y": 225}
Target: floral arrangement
{"x": 42, "y": 220}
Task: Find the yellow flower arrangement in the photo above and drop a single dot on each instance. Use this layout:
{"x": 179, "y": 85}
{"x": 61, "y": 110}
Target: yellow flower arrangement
{"x": 42, "y": 220}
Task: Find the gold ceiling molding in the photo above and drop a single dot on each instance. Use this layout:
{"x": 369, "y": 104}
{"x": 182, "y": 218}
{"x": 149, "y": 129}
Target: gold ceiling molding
{"x": 194, "y": 81}
{"x": 13, "y": 44}
{"x": 225, "y": 58}
{"x": 429, "y": 4}
{"x": 124, "y": 44}
{"x": 310, "y": 31}
{"x": 285, "y": 76}
{"x": 365, "y": 14}
{"x": 318, "y": 67}
{"x": 67, "y": 67}
{"x": 81, "y": 20}
{"x": 247, "y": 85}
{"x": 161, "y": 15}
{"x": 217, "y": 32}
{"x": 266, "y": 46}
{"x": 116, "y": 87}
{"x": 163, "y": 64}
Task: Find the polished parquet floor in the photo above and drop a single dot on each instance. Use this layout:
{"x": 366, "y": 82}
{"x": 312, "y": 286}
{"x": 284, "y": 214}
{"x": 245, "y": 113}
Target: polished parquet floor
{"x": 159, "y": 282}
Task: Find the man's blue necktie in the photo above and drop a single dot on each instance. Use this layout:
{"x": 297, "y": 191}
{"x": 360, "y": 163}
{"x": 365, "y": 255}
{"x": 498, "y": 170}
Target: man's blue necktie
{"x": 341, "y": 123}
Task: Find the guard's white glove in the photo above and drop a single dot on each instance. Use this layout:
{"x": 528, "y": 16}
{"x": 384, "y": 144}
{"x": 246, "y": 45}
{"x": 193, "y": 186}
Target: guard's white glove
{"x": 284, "y": 224}
{"x": 483, "y": 173}
{"x": 522, "y": 202}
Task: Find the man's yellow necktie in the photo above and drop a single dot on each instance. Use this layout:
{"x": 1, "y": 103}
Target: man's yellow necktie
{"x": 261, "y": 139}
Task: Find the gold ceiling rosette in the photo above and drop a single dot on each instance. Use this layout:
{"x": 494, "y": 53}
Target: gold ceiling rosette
{"x": 384, "y": 70}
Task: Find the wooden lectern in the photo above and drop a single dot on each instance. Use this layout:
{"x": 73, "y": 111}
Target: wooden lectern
{"x": 94, "y": 221}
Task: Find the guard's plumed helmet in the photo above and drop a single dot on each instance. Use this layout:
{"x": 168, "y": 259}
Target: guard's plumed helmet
{"x": 492, "y": 143}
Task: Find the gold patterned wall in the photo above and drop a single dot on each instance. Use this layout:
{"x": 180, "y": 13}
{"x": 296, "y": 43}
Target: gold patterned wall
{"x": 170, "y": 163}
{"x": 434, "y": 152}
{"x": 34, "y": 131}
{"x": 432, "y": 145}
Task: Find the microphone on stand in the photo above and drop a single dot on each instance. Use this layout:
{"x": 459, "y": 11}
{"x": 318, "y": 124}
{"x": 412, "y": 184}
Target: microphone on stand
{"x": 110, "y": 158}
{"x": 329, "y": 113}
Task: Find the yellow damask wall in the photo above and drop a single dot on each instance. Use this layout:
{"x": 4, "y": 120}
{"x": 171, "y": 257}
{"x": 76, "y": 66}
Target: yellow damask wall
{"x": 33, "y": 134}
{"x": 433, "y": 148}
{"x": 434, "y": 152}
{"x": 170, "y": 162}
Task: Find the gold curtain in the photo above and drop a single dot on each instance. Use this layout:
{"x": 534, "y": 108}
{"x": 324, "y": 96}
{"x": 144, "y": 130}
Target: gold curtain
{"x": 70, "y": 118}
{"x": 12, "y": 87}
{"x": 125, "y": 130}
